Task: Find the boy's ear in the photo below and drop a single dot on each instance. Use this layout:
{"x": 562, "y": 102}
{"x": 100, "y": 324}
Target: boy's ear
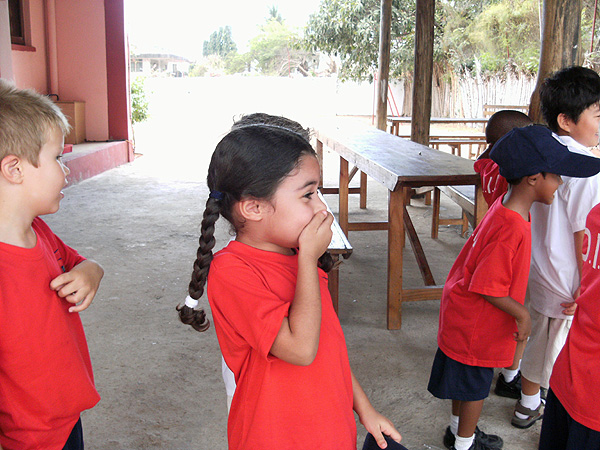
{"x": 564, "y": 122}
{"x": 251, "y": 209}
{"x": 533, "y": 179}
{"x": 11, "y": 168}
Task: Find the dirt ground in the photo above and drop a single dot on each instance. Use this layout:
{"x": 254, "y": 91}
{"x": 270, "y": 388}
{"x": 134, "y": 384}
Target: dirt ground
{"x": 160, "y": 381}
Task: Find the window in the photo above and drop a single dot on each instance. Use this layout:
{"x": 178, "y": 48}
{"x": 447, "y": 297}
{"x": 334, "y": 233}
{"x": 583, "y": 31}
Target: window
{"x": 17, "y": 27}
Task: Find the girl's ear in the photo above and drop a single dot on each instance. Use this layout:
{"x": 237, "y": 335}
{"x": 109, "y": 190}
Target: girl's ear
{"x": 251, "y": 209}
{"x": 11, "y": 168}
{"x": 565, "y": 123}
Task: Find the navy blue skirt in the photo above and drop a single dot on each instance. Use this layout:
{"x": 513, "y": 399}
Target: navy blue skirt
{"x": 457, "y": 381}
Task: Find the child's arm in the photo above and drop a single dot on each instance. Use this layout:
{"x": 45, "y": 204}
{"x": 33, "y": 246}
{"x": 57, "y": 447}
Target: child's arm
{"x": 298, "y": 338}
{"x": 515, "y": 309}
{"x": 79, "y": 285}
{"x": 570, "y": 307}
{"x": 374, "y": 422}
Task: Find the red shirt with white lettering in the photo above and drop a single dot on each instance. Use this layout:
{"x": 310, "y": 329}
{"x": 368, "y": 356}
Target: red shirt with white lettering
{"x": 493, "y": 185}
{"x": 576, "y": 375}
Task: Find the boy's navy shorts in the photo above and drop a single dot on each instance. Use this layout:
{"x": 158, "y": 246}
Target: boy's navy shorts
{"x": 457, "y": 381}
{"x": 561, "y": 432}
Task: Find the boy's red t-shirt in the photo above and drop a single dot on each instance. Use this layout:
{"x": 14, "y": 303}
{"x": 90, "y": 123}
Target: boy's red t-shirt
{"x": 494, "y": 262}
{"x": 576, "y": 374}
{"x": 493, "y": 185}
{"x": 277, "y": 405}
{"x": 46, "y": 377}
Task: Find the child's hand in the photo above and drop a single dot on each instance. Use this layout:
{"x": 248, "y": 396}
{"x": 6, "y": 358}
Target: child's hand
{"x": 378, "y": 425}
{"x": 570, "y": 308}
{"x": 523, "y": 327}
{"x": 79, "y": 286}
{"x": 316, "y": 236}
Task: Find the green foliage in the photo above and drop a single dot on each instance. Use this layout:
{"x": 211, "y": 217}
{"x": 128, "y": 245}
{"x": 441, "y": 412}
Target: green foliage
{"x": 236, "y": 63}
{"x": 350, "y": 29}
{"x": 506, "y": 33}
{"x": 198, "y": 70}
{"x": 219, "y": 43}
{"x": 139, "y": 101}
{"x": 275, "y": 50}
{"x": 491, "y": 35}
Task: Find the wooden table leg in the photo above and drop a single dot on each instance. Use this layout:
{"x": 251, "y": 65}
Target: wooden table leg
{"x": 320, "y": 159}
{"x": 363, "y": 190}
{"x": 395, "y": 263}
{"x": 343, "y": 196}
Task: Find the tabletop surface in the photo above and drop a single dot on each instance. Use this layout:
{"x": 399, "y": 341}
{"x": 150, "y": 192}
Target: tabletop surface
{"x": 394, "y": 161}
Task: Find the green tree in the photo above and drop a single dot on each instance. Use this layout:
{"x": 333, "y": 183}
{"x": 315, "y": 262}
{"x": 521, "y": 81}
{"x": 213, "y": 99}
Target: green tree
{"x": 350, "y": 29}
{"x": 276, "y": 49}
{"x": 139, "y": 101}
{"x": 275, "y": 14}
{"x": 219, "y": 43}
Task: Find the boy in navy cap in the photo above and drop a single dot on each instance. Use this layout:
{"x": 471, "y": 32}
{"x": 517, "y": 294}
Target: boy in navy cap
{"x": 481, "y": 313}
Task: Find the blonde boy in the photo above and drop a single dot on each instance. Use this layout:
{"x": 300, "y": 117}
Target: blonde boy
{"x": 46, "y": 377}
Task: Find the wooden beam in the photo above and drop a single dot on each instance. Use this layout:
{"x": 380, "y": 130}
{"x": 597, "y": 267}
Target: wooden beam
{"x": 561, "y": 47}
{"x": 421, "y": 107}
{"x": 384, "y": 63}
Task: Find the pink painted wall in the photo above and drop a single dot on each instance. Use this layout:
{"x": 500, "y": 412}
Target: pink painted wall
{"x": 29, "y": 67}
{"x": 81, "y": 54}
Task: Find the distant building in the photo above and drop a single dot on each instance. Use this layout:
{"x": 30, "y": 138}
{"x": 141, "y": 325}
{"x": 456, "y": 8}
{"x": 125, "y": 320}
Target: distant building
{"x": 159, "y": 64}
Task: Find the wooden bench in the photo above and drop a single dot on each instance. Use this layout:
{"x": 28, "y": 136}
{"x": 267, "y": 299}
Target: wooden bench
{"x": 463, "y": 196}
{"x": 339, "y": 246}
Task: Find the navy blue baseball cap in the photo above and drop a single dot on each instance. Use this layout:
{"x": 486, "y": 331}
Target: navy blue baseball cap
{"x": 533, "y": 149}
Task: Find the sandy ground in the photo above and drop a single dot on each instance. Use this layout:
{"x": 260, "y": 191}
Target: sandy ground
{"x": 159, "y": 380}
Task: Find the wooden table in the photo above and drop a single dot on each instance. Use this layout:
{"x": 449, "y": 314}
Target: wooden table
{"x": 398, "y": 164}
{"x": 395, "y": 121}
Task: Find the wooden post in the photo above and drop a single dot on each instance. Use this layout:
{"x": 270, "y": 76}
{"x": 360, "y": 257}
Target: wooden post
{"x": 421, "y": 107}
{"x": 561, "y": 46}
{"x": 384, "y": 63}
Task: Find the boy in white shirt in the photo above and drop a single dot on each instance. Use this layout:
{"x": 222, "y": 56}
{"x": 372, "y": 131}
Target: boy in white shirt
{"x": 569, "y": 100}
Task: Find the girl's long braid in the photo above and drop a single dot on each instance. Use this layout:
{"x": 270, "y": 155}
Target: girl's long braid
{"x": 197, "y": 317}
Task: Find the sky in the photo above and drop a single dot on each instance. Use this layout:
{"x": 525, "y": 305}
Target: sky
{"x": 181, "y": 26}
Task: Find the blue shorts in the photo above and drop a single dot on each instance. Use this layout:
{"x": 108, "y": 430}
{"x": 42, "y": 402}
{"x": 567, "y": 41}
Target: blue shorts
{"x": 75, "y": 441}
{"x": 561, "y": 432}
{"x": 457, "y": 381}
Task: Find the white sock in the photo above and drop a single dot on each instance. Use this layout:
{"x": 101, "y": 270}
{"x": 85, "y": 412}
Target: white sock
{"x": 463, "y": 443}
{"x": 453, "y": 424}
{"x": 528, "y": 401}
{"x": 509, "y": 374}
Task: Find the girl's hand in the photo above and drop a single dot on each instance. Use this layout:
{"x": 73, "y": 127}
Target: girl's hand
{"x": 316, "y": 236}
{"x": 378, "y": 425}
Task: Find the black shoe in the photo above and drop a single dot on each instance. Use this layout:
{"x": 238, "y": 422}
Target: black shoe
{"x": 543, "y": 394}
{"x": 485, "y": 441}
{"x": 510, "y": 390}
{"x": 476, "y": 446}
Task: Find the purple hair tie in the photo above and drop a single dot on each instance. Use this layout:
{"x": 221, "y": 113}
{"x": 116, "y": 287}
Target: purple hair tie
{"x": 217, "y": 195}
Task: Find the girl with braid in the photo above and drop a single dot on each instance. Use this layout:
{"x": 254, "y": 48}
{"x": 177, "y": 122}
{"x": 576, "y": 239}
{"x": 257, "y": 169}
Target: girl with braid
{"x": 268, "y": 293}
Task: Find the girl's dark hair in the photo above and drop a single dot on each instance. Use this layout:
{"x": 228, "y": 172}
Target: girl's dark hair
{"x": 249, "y": 162}
{"x": 569, "y": 91}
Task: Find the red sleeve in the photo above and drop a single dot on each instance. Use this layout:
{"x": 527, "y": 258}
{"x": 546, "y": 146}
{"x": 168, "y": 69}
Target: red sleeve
{"x": 243, "y": 307}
